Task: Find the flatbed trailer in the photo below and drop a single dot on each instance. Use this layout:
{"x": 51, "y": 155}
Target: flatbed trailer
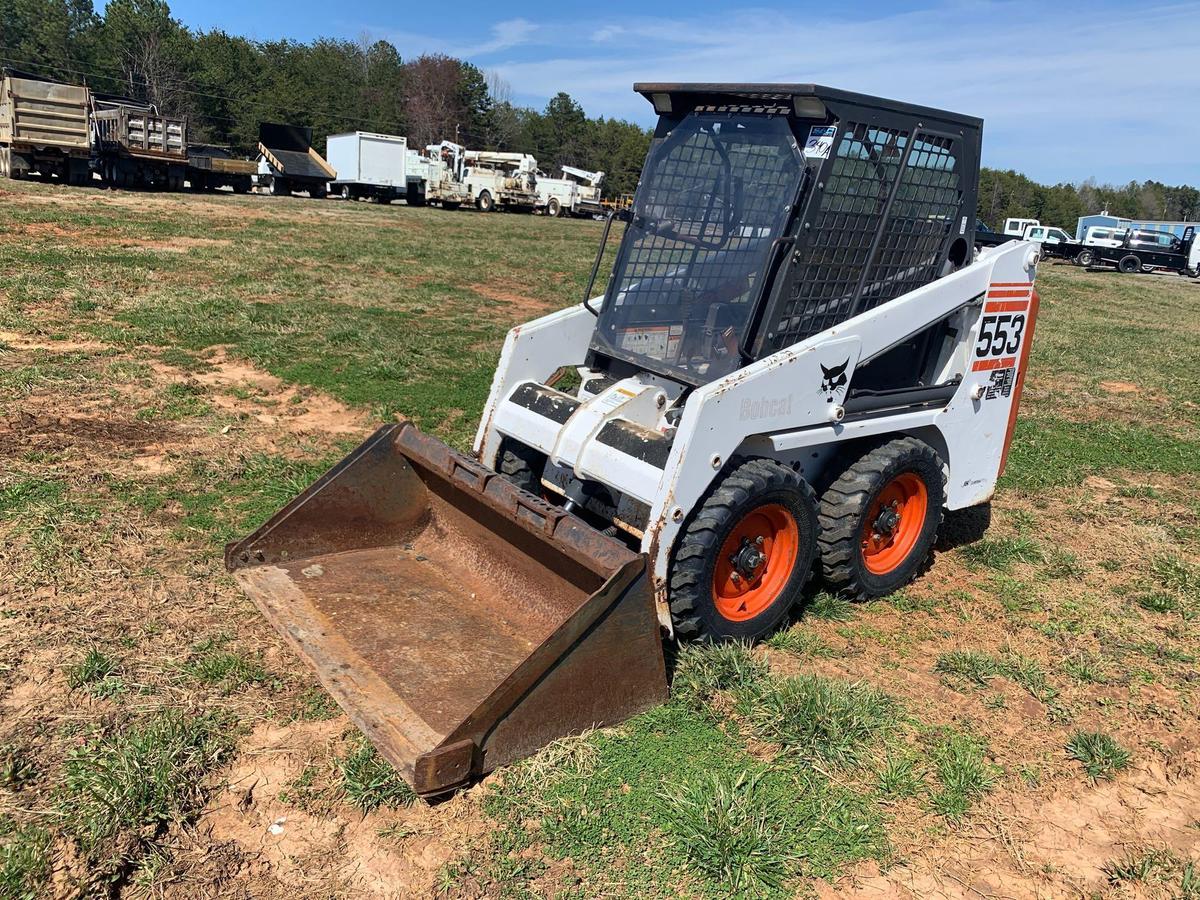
{"x": 44, "y": 129}
{"x": 133, "y": 145}
{"x": 213, "y": 168}
{"x": 1130, "y": 258}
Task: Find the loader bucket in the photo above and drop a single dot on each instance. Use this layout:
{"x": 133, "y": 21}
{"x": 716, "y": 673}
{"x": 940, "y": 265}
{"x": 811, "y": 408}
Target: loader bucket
{"x": 460, "y": 621}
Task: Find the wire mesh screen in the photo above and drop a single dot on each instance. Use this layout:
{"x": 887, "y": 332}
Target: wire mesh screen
{"x": 712, "y": 200}
{"x": 921, "y": 218}
{"x": 828, "y": 271}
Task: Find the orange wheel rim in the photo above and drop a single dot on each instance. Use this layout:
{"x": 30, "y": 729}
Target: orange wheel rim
{"x": 755, "y": 562}
{"x": 894, "y": 523}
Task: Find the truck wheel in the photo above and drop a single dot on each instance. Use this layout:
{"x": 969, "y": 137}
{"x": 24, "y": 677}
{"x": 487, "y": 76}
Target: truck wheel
{"x": 485, "y": 203}
{"x": 1129, "y": 264}
{"x": 880, "y": 518}
{"x": 346, "y": 193}
{"x": 280, "y": 188}
{"x": 553, "y": 209}
{"x": 451, "y": 205}
{"x": 1084, "y": 258}
{"x": 742, "y": 562}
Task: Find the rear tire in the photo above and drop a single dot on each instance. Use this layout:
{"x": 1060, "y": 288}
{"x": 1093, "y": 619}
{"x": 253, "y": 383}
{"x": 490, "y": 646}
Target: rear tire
{"x": 741, "y": 564}
{"x": 522, "y": 465}
{"x": 880, "y": 518}
{"x": 1130, "y": 264}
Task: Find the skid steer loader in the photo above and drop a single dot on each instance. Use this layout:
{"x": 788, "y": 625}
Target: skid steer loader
{"x": 798, "y": 364}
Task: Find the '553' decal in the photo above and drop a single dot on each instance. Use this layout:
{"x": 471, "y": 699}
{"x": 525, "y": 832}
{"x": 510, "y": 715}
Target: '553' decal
{"x": 1000, "y": 335}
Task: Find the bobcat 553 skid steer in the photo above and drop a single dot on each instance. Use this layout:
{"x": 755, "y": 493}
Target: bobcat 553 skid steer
{"x": 797, "y": 365}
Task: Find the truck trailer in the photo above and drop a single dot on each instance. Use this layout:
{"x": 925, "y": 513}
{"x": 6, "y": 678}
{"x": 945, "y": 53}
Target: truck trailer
{"x": 211, "y": 168}
{"x": 44, "y": 129}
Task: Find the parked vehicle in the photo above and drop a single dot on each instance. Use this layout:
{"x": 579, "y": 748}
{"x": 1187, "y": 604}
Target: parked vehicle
{"x": 504, "y": 180}
{"x": 44, "y": 129}
{"x": 211, "y": 168}
{"x": 577, "y": 193}
{"x": 133, "y": 145}
{"x": 750, "y": 406}
{"x": 436, "y": 176}
{"x": 288, "y": 163}
{"x": 1145, "y": 251}
{"x": 369, "y": 165}
{"x": 1019, "y": 227}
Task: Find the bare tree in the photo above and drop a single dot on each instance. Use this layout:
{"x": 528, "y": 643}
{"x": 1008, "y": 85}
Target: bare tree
{"x": 434, "y": 104}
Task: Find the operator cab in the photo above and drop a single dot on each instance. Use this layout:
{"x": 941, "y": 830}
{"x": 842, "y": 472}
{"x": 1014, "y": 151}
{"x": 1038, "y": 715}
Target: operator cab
{"x": 767, "y": 214}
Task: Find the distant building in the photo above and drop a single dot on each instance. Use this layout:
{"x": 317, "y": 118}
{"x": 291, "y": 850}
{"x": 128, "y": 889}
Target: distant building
{"x": 1106, "y": 221}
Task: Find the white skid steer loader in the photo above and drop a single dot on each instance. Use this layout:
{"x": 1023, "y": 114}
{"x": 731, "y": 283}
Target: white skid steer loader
{"x": 797, "y": 366}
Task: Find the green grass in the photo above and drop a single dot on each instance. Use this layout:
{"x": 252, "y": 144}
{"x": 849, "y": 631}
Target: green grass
{"x": 1002, "y": 553}
{"x": 979, "y": 668}
{"x": 18, "y": 767}
{"x": 95, "y": 673}
{"x": 1136, "y": 867}
{"x": 829, "y": 607}
{"x": 1099, "y": 754}
{"x": 226, "y": 669}
{"x": 25, "y": 860}
{"x": 964, "y": 774}
{"x": 819, "y": 719}
{"x": 369, "y": 781}
{"x": 800, "y": 641}
{"x": 139, "y": 779}
{"x": 704, "y": 670}
{"x": 732, "y": 832}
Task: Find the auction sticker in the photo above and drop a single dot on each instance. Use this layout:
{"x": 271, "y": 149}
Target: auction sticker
{"x": 820, "y": 141}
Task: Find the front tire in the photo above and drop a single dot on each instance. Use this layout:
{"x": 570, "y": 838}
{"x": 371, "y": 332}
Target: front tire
{"x": 741, "y": 564}
{"x": 1084, "y": 258}
{"x": 553, "y": 209}
{"x": 880, "y": 518}
{"x": 485, "y": 203}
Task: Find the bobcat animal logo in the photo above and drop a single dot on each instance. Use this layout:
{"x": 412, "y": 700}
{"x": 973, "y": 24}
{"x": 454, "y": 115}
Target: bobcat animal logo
{"x": 834, "y": 380}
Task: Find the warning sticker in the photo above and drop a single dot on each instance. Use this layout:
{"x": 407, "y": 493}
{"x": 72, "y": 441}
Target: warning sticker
{"x": 820, "y": 141}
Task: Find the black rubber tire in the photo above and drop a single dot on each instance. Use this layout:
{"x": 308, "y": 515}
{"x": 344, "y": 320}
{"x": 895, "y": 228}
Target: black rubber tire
{"x": 485, "y": 203}
{"x": 747, "y": 486}
{"x": 553, "y": 208}
{"x": 345, "y": 193}
{"x": 1130, "y": 264}
{"x": 1084, "y": 258}
{"x": 451, "y": 205}
{"x": 847, "y": 501}
{"x": 522, "y": 465}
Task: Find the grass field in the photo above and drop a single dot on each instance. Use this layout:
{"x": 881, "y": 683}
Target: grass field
{"x": 1020, "y": 722}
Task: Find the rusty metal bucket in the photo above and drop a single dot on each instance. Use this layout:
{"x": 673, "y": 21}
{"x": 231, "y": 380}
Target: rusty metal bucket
{"x": 461, "y": 622}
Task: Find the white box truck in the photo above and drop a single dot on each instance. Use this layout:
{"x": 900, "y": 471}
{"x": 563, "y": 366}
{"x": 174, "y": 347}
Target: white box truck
{"x": 369, "y": 166}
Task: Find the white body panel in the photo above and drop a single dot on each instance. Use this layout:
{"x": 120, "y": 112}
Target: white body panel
{"x": 781, "y": 406}
{"x": 363, "y": 157}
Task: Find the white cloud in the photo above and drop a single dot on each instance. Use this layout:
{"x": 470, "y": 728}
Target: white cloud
{"x": 1066, "y": 90}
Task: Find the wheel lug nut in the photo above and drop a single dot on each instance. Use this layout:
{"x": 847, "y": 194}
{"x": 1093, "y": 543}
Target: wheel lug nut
{"x": 758, "y": 540}
{"x": 735, "y": 578}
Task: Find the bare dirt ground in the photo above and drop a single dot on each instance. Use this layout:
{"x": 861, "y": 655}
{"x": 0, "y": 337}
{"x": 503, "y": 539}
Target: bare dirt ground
{"x": 123, "y": 471}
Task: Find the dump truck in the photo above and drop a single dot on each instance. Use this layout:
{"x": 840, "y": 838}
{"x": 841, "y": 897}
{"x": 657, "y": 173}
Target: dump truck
{"x": 501, "y": 180}
{"x": 798, "y": 365}
{"x": 44, "y": 128}
{"x": 287, "y": 162}
{"x": 133, "y": 145}
{"x": 577, "y": 193}
{"x": 211, "y": 168}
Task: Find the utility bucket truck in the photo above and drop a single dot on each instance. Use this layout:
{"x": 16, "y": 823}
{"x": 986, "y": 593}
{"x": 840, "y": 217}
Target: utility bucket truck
{"x": 577, "y": 193}
{"x": 796, "y": 367}
{"x": 504, "y": 180}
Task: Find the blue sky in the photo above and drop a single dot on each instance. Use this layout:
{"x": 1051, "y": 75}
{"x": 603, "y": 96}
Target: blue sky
{"x": 1067, "y": 90}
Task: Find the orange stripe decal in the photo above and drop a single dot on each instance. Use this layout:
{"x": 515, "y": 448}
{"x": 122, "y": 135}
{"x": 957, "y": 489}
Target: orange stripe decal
{"x": 1003, "y": 362}
{"x": 1016, "y": 400}
{"x": 1021, "y": 284}
{"x": 1006, "y": 306}
{"x": 1013, "y": 293}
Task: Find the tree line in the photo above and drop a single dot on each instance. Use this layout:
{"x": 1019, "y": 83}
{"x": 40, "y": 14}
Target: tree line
{"x": 227, "y": 84}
